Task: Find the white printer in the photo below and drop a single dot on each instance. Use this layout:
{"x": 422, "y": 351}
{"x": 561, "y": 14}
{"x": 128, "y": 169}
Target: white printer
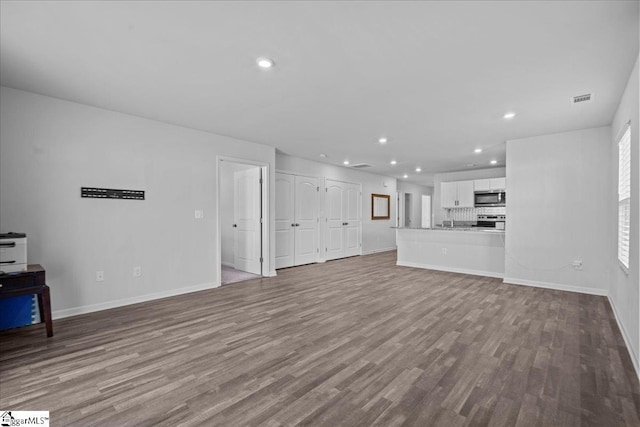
{"x": 13, "y": 252}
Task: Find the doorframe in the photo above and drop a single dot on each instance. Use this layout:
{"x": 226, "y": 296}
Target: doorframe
{"x": 266, "y": 225}
{"x": 408, "y": 196}
{"x": 401, "y": 209}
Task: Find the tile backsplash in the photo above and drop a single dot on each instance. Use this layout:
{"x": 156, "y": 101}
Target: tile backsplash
{"x": 471, "y": 214}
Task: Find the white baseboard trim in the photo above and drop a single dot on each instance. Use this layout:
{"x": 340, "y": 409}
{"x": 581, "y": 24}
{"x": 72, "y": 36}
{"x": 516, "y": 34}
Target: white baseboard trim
{"x": 375, "y": 251}
{"x": 270, "y": 274}
{"x": 228, "y": 264}
{"x": 450, "y": 269}
{"x": 60, "y": 314}
{"x": 625, "y": 336}
{"x": 556, "y": 286}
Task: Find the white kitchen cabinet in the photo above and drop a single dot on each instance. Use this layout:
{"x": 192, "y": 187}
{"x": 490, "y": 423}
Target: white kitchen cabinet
{"x": 457, "y": 194}
{"x": 498, "y": 183}
{"x": 449, "y": 193}
{"x": 490, "y": 184}
{"x": 482, "y": 185}
{"x": 466, "y": 198}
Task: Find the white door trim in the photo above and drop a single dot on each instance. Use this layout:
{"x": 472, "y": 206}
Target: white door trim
{"x": 267, "y": 268}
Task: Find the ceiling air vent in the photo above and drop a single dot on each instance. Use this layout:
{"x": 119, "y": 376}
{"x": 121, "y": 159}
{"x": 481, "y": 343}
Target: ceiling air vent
{"x": 582, "y": 98}
{"x": 361, "y": 165}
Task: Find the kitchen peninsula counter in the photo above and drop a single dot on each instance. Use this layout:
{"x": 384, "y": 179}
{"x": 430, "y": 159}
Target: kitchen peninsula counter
{"x": 454, "y": 229}
{"x": 469, "y": 250}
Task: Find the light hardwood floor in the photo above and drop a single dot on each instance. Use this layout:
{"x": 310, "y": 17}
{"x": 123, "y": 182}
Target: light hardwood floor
{"x": 354, "y": 342}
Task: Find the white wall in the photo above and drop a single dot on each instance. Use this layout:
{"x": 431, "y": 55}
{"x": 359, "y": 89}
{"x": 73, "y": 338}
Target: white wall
{"x": 439, "y": 178}
{"x": 376, "y": 235}
{"x": 49, "y": 148}
{"x": 623, "y": 292}
{"x": 558, "y": 189}
{"x": 417, "y": 191}
{"x": 227, "y": 169}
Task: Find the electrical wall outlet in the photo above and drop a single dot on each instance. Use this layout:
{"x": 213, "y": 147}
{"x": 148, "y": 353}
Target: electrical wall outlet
{"x": 199, "y": 214}
{"x": 577, "y": 264}
{"x": 137, "y": 271}
{"x": 99, "y": 276}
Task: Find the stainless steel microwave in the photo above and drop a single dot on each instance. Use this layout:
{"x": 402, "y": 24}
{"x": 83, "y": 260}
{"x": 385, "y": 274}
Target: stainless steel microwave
{"x": 489, "y": 198}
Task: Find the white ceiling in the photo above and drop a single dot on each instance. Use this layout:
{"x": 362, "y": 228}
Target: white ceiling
{"x": 433, "y": 77}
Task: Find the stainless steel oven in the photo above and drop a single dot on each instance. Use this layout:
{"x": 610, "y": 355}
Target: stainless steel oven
{"x": 491, "y": 221}
{"x": 489, "y": 199}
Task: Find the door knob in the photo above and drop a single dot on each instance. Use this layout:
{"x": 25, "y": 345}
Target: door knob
{"x": 297, "y": 225}
{"x": 293, "y": 225}
{"x": 235, "y": 225}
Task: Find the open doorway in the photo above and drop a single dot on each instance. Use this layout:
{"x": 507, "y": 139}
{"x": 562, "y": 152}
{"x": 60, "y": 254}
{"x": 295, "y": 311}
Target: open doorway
{"x": 241, "y": 213}
{"x": 414, "y": 205}
{"x": 408, "y": 209}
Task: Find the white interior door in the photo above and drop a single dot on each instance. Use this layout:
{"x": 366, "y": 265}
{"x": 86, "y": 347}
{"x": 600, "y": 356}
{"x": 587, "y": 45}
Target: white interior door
{"x": 426, "y": 211}
{"x": 247, "y": 214}
{"x": 334, "y": 208}
{"x": 352, "y": 220}
{"x": 285, "y": 229}
{"x": 343, "y": 210}
{"x": 306, "y": 220}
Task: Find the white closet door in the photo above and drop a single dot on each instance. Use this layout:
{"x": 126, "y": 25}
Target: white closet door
{"x": 306, "y": 220}
{"x": 344, "y": 223}
{"x": 285, "y": 220}
{"x": 334, "y": 211}
{"x": 352, "y": 220}
{"x": 247, "y": 212}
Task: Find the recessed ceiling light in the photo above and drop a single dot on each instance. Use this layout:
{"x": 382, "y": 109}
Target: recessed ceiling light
{"x": 323, "y": 155}
{"x": 509, "y": 115}
{"x": 382, "y": 140}
{"x": 478, "y": 150}
{"x": 393, "y": 162}
{"x": 405, "y": 176}
{"x": 493, "y": 162}
{"x": 346, "y": 162}
{"x": 418, "y": 170}
{"x": 265, "y": 63}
